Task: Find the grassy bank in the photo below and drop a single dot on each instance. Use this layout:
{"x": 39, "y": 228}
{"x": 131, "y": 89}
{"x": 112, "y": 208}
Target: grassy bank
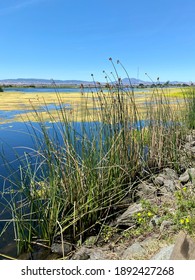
{"x": 76, "y": 178}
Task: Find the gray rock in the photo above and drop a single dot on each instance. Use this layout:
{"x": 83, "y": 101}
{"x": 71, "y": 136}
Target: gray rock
{"x": 127, "y": 217}
{"x": 184, "y": 178}
{"x": 170, "y": 173}
{"x": 190, "y": 147}
{"x": 145, "y": 190}
{"x": 82, "y": 254}
{"x": 169, "y": 185}
{"x": 184, "y": 248}
{"x": 150, "y": 240}
{"x": 192, "y": 144}
{"x": 168, "y": 179}
{"x": 97, "y": 254}
{"x": 189, "y": 174}
{"x": 90, "y": 241}
{"x": 166, "y": 225}
{"x": 159, "y": 180}
{"x": 133, "y": 251}
{"x": 164, "y": 253}
{"x": 58, "y": 248}
{"x": 85, "y": 253}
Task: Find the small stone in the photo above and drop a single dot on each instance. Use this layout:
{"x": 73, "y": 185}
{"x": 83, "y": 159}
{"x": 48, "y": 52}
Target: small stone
{"x": 97, "y": 254}
{"x": 159, "y": 180}
{"x": 190, "y": 147}
{"x": 192, "y": 144}
{"x": 58, "y": 248}
{"x": 127, "y": 217}
{"x": 189, "y": 174}
{"x": 82, "y": 254}
{"x": 135, "y": 250}
{"x": 184, "y": 178}
{"x": 170, "y": 173}
{"x": 164, "y": 253}
{"x": 193, "y": 150}
{"x": 85, "y": 253}
{"x": 145, "y": 190}
{"x": 165, "y": 226}
{"x": 167, "y": 178}
{"x": 90, "y": 241}
{"x": 168, "y": 184}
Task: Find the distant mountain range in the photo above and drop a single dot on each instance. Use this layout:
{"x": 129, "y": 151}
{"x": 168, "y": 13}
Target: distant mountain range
{"x": 47, "y": 82}
{"x": 137, "y": 82}
{"x": 41, "y": 81}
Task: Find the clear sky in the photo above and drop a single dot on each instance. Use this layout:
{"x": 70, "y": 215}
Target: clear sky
{"x": 70, "y": 39}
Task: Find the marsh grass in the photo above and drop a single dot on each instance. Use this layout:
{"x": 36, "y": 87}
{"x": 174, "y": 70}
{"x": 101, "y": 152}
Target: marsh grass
{"x": 165, "y": 131}
{"x": 78, "y": 171}
{"x": 190, "y": 104}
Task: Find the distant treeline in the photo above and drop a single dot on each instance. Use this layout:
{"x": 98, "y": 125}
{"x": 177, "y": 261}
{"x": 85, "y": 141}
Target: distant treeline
{"x": 77, "y": 86}
{"x": 38, "y": 86}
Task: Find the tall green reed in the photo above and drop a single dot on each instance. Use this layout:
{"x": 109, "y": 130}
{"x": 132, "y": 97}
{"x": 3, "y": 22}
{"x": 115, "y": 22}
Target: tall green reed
{"x": 189, "y": 96}
{"x": 78, "y": 175}
{"x": 165, "y": 131}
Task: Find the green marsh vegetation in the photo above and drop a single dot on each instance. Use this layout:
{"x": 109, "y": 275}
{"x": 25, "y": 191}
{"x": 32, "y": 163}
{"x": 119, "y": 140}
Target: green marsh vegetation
{"x": 190, "y": 103}
{"x": 78, "y": 176}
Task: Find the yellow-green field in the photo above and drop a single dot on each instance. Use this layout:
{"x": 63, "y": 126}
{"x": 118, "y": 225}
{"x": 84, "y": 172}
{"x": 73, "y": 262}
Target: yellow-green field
{"x": 77, "y": 103}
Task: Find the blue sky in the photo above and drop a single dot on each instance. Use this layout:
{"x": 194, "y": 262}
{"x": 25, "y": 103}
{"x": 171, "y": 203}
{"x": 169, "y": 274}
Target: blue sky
{"x": 70, "y": 39}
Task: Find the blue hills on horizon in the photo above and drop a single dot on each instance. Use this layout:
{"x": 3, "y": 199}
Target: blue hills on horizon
{"x": 33, "y": 81}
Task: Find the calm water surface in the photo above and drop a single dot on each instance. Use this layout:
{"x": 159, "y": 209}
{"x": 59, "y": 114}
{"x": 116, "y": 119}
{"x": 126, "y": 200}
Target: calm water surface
{"x": 16, "y": 139}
